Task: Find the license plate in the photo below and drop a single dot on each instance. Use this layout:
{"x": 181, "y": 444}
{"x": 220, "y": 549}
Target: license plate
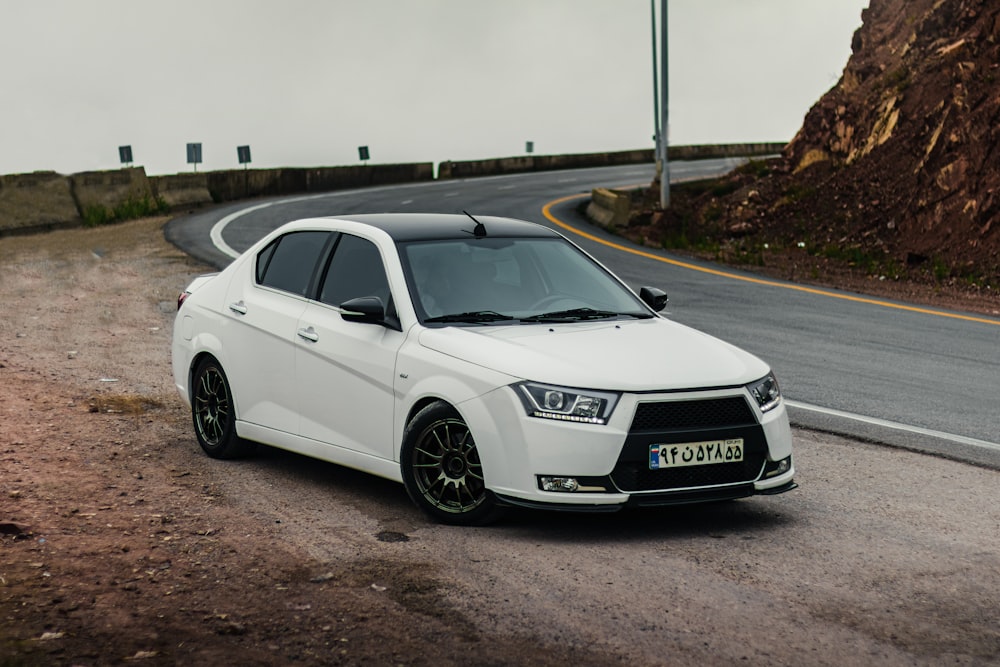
{"x": 695, "y": 453}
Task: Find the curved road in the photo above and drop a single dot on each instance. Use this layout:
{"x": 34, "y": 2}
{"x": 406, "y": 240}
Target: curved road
{"x": 881, "y": 371}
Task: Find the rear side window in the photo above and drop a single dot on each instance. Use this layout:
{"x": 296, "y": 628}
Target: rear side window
{"x": 289, "y": 262}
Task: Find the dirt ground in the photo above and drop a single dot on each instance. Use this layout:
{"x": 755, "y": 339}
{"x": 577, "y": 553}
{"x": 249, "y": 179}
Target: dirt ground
{"x": 116, "y": 546}
{"x": 119, "y": 543}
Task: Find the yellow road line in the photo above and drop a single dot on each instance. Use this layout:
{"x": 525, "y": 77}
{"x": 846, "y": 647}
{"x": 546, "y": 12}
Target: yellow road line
{"x": 547, "y": 212}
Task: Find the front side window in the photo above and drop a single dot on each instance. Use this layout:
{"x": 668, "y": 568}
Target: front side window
{"x": 355, "y": 270}
{"x": 289, "y": 262}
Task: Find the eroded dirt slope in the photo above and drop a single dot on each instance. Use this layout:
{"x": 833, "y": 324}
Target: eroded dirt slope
{"x": 895, "y": 173}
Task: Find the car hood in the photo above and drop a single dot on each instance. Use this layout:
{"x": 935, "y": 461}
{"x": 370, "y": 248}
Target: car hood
{"x": 624, "y": 355}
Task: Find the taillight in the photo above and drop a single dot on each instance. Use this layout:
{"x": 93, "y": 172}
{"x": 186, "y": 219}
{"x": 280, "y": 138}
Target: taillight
{"x": 181, "y": 298}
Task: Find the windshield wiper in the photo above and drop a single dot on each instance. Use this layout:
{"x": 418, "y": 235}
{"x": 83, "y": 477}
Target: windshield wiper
{"x": 472, "y": 317}
{"x": 576, "y": 314}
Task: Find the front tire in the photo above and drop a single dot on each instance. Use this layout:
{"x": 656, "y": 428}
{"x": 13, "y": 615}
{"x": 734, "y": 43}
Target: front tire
{"x": 442, "y": 471}
{"x": 213, "y": 413}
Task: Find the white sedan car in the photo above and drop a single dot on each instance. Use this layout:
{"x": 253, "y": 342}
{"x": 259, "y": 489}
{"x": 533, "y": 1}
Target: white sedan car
{"x": 483, "y": 362}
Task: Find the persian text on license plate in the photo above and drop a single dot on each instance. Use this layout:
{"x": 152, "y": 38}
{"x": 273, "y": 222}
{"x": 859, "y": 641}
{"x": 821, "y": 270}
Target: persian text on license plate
{"x": 695, "y": 453}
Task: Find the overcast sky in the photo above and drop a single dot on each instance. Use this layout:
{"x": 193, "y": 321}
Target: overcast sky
{"x": 305, "y": 82}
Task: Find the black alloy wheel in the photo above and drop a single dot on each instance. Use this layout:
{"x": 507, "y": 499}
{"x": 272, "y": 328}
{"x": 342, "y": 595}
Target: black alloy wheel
{"x": 213, "y": 413}
{"x": 441, "y": 468}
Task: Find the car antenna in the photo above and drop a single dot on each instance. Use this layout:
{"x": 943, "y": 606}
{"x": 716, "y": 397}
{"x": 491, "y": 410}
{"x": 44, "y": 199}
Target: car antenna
{"x": 480, "y": 229}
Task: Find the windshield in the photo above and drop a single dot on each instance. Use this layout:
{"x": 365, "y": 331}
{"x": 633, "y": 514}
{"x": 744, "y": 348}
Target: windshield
{"x": 497, "y": 280}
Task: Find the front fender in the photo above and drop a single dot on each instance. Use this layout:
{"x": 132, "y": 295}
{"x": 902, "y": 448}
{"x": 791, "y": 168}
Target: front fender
{"x": 425, "y": 375}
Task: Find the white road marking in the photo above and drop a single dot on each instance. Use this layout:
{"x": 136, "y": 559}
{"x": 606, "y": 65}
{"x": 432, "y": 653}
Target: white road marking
{"x": 884, "y": 423}
{"x": 406, "y": 201}
{"x": 220, "y": 226}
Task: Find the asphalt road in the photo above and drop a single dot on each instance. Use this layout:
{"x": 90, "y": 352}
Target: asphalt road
{"x": 875, "y": 370}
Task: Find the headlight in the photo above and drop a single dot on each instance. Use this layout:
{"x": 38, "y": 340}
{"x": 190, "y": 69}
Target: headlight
{"x": 564, "y": 404}
{"x": 765, "y": 391}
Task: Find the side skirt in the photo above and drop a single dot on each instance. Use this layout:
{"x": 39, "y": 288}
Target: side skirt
{"x": 320, "y": 450}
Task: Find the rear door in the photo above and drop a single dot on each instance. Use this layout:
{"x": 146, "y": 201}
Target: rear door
{"x": 264, "y": 306}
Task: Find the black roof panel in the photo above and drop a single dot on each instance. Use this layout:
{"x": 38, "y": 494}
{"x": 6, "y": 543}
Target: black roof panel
{"x": 436, "y": 226}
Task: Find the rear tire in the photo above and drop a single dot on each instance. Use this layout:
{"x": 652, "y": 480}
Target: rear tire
{"x": 441, "y": 469}
{"x": 213, "y": 413}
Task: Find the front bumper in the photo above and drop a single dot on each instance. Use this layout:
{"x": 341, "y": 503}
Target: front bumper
{"x": 611, "y": 462}
{"x": 709, "y": 495}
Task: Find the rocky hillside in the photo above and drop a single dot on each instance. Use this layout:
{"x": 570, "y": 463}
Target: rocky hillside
{"x": 896, "y": 168}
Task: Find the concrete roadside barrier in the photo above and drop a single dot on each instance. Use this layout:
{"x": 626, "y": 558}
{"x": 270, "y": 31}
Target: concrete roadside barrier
{"x": 44, "y": 200}
{"x": 530, "y": 163}
{"x": 609, "y": 208}
{"x": 179, "y": 190}
{"x": 406, "y": 172}
{"x": 709, "y": 151}
{"x": 108, "y": 190}
{"x": 36, "y": 201}
{"x": 233, "y": 184}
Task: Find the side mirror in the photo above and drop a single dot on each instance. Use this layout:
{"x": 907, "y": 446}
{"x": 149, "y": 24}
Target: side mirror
{"x": 363, "y": 309}
{"x": 654, "y": 298}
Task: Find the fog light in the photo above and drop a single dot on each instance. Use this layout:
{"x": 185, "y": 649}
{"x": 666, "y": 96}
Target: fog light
{"x": 562, "y": 484}
{"x": 779, "y": 467}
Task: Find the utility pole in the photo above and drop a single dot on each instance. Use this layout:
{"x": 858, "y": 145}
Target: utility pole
{"x": 657, "y": 137}
{"x": 664, "y": 108}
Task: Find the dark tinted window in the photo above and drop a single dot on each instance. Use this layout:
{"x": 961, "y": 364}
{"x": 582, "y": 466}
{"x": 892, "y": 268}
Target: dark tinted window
{"x": 290, "y": 264}
{"x": 355, "y": 270}
{"x": 264, "y": 257}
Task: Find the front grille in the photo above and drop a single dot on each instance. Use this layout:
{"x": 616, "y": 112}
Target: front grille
{"x": 686, "y": 415}
{"x": 667, "y": 422}
{"x": 631, "y": 476}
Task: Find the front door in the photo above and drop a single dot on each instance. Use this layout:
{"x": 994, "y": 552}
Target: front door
{"x": 346, "y": 370}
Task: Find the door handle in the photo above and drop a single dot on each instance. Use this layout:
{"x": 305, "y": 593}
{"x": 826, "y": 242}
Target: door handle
{"x": 308, "y": 334}
{"x": 238, "y": 307}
